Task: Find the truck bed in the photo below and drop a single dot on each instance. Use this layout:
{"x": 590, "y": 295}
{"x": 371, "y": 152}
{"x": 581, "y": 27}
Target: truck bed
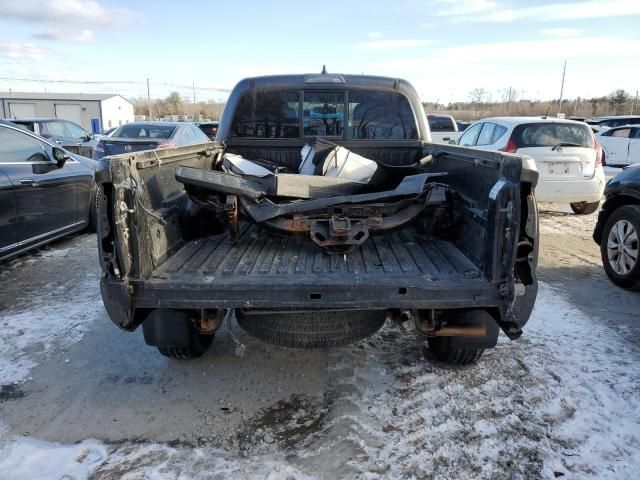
{"x": 398, "y": 269}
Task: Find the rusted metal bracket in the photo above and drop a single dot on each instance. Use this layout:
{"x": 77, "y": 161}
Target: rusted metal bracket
{"x": 338, "y": 235}
{"x": 231, "y": 211}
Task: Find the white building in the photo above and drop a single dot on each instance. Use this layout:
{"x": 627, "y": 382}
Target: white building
{"x": 94, "y": 112}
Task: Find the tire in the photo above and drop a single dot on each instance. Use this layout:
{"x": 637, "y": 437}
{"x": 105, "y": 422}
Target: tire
{"x": 442, "y": 350}
{"x": 619, "y": 264}
{"x": 584, "y": 208}
{"x": 93, "y": 211}
{"x": 310, "y": 329}
{"x": 199, "y": 345}
{"x": 464, "y": 350}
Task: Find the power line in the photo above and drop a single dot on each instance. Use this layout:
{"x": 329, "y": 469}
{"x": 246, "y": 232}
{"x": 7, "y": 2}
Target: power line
{"x": 78, "y": 82}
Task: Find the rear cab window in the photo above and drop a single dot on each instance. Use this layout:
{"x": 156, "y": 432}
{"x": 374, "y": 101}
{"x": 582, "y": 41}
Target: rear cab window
{"x": 441, "y": 123}
{"x": 347, "y": 114}
{"x": 551, "y": 134}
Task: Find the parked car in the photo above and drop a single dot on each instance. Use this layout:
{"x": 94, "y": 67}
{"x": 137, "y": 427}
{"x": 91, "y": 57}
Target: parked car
{"x": 566, "y": 153}
{"x": 462, "y": 126}
{"x": 67, "y": 134}
{"x": 137, "y": 136}
{"x": 618, "y": 229}
{"x": 209, "y": 129}
{"x": 46, "y": 192}
{"x": 444, "y": 128}
{"x": 106, "y": 133}
{"x": 620, "y": 145}
{"x": 385, "y": 223}
{"x": 614, "y": 121}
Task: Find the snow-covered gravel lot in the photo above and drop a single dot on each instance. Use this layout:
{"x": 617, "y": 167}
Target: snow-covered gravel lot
{"x": 80, "y": 399}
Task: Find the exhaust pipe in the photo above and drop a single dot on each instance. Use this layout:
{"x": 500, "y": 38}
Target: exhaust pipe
{"x": 425, "y": 323}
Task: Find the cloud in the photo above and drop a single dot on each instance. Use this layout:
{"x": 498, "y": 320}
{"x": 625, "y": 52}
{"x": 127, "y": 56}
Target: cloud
{"x": 557, "y": 12}
{"x": 560, "y": 32}
{"x": 66, "y": 19}
{"x": 375, "y": 35}
{"x": 464, "y": 7}
{"x": 390, "y": 44}
{"x": 82, "y": 35}
{"x": 24, "y": 51}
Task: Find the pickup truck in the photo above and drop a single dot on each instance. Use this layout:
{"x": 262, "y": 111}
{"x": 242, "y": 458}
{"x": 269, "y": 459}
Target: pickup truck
{"x": 444, "y": 128}
{"x": 379, "y": 224}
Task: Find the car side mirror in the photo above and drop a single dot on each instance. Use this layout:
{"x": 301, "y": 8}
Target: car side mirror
{"x": 60, "y": 156}
{"x": 452, "y": 142}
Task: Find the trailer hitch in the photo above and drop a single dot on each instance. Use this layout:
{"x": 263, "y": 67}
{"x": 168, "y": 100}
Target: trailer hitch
{"x": 338, "y": 234}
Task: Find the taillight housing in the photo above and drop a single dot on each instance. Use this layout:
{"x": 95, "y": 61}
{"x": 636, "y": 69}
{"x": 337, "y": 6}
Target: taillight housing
{"x": 163, "y": 145}
{"x": 598, "y": 148}
{"x": 511, "y": 147}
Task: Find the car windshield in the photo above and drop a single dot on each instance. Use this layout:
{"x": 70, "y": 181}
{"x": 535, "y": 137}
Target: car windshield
{"x": 144, "y": 131}
{"x": 552, "y": 134}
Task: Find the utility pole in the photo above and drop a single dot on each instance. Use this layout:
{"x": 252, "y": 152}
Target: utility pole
{"x": 149, "y": 100}
{"x": 193, "y": 86}
{"x": 635, "y": 104}
{"x": 564, "y": 70}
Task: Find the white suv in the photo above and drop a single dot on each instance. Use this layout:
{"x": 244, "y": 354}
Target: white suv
{"x": 566, "y": 153}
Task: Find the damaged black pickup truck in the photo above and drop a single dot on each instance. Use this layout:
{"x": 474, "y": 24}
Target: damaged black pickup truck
{"x": 320, "y": 210}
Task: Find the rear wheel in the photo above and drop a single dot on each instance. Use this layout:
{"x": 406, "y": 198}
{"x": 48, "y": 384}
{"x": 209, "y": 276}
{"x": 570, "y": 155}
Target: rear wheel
{"x": 584, "y": 208}
{"x": 309, "y": 328}
{"x": 457, "y": 350}
{"x": 619, "y": 247}
{"x": 443, "y": 351}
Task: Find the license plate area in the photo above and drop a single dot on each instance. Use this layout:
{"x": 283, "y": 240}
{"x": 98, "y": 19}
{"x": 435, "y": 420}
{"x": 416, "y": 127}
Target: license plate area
{"x": 559, "y": 168}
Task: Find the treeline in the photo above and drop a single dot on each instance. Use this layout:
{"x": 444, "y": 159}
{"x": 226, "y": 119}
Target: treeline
{"x": 481, "y": 105}
{"x": 174, "y": 104}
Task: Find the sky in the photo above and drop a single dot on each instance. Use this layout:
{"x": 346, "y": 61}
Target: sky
{"x": 445, "y": 48}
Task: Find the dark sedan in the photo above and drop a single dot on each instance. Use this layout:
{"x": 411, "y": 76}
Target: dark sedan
{"x": 68, "y": 135}
{"x": 46, "y": 192}
{"x": 618, "y": 228}
{"x": 210, "y": 129}
{"x": 137, "y": 136}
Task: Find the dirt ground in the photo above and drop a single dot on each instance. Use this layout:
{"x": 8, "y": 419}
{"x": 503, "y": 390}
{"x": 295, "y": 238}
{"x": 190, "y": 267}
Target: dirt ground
{"x": 78, "y": 397}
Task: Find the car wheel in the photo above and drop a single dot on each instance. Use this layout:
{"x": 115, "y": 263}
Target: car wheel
{"x": 444, "y": 352}
{"x": 584, "y": 208}
{"x": 619, "y": 247}
{"x": 464, "y": 350}
{"x": 93, "y": 210}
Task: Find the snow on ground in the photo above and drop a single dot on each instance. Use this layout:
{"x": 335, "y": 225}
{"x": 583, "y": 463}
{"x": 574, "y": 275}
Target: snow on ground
{"x": 563, "y": 400}
{"x": 55, "y": 318}
{"x": 559, "y": 219}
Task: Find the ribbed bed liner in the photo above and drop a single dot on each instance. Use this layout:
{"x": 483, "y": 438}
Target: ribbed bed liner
{"x": 263, "y": 258}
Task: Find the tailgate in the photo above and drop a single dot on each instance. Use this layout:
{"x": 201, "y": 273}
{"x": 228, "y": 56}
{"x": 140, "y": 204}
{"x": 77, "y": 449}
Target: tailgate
{"x": 264, "y": 270}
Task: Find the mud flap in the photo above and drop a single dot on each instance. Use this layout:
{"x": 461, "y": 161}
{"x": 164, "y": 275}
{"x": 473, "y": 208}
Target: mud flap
{"x": 117, "y": 303}
{"x": 168, "y": 328}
